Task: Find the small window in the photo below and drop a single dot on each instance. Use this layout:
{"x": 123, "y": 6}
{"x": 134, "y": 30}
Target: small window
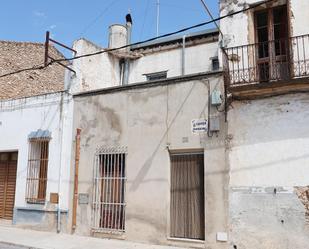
{"x": 109, "y": 191}
{"x": 215, "y": 63}
{"x": 156, "y": 76}
{"x": 187, "y": 196}
{"x": 37, "y": 170}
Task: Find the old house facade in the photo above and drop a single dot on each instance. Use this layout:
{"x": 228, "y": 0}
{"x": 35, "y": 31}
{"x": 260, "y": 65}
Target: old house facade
{"x": 35, "y": 130}
{"x": 266, "y": 57}
{"x": 142, "y": 119}
{"x": 195, "y": 141}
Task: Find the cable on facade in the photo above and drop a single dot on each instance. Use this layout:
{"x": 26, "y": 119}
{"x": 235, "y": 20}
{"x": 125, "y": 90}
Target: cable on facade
{"x": 142, "y": 42}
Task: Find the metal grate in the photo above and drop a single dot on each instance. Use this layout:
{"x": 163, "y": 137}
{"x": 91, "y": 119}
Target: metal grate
{"x": 109, "y": 190}
{"x": 37, "y": 170}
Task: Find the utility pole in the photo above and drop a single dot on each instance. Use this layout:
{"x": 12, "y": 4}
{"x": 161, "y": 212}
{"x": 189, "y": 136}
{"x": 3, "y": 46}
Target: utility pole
{"x": 158, "y": 16}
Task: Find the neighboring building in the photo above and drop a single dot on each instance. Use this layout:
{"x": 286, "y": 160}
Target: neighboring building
{"x": 144, "y": 128}
{"x": 35, "y": 144}
{"x": 267, "y": 76}
{"x": 19, "y": 55}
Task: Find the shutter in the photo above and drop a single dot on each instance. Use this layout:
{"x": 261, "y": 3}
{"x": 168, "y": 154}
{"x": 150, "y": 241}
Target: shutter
{"x": 8, "y": 168}
{"x": 187, "y": 196}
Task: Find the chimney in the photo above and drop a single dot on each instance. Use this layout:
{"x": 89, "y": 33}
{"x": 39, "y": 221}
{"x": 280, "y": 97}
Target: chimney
{"x": 129, "y": 28}
{"x": 118, "y": 36}
{"x": 127, "y": 61}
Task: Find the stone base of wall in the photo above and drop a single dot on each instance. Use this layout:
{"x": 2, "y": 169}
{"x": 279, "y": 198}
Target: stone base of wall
{"x": 267, "y": 218}
{"x": 39, "y": 219}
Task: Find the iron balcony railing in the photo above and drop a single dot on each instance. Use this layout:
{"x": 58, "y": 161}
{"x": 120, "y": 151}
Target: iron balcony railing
{"x": 275, "y": 60}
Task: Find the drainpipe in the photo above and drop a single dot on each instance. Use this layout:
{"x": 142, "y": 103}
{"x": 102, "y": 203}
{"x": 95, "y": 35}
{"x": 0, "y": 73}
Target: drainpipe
{"x": 183, "y": 57}
{"x": 75, "y": 191}
{"x": 62, "y": 111}
{"x": 127, "y": 61}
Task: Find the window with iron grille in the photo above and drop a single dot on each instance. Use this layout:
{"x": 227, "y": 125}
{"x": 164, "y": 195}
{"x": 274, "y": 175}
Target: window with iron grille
{"x": 109, "y": 190}
{"x": 37, "y": 170}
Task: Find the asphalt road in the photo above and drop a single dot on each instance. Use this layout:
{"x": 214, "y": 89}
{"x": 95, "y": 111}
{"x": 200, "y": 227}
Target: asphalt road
{"x": 8, "y": 246}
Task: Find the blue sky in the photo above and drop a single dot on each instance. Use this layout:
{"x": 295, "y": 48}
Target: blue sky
{"x": 28, "y": 20}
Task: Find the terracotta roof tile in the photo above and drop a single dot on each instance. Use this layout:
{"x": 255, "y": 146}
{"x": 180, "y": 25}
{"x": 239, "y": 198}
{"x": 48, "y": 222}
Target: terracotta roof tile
{"x": 18, "y": 55}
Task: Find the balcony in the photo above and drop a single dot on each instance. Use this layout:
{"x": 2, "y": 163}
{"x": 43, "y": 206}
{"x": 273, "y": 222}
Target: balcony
{"x": 267, "y": 68}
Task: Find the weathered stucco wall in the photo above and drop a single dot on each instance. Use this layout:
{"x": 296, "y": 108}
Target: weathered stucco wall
{"x": 20, "y": 117}
{"x": 197, "y": 60}
{"x": 93, "y": 72}
{"x": 102, "y": 71}
{"x": 268, "y": 160}
{"x": 239, "y": 29}
{"x": 150, "y": 121}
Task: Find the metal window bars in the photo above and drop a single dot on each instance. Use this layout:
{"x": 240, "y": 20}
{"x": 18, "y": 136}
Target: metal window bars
{"x": 109, "y": 190}
{"x": 37, "y": 170}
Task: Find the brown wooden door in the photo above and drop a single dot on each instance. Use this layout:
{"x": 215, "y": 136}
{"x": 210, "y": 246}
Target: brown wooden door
{"x": 8, "y": 168}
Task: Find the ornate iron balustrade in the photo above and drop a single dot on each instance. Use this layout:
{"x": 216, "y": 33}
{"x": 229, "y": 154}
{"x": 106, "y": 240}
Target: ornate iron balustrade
{"x": 276, "y": 60}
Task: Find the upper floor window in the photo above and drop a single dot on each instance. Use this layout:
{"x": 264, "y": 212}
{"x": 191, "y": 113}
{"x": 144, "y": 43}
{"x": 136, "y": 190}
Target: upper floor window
{"x": 156, "y": 76}
{"x": 271, "y": 28}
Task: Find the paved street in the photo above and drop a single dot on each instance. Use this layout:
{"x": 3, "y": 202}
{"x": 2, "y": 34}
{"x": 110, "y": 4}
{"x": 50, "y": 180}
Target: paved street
{"x": 9, "y": 246}
{"x": 31, "y": 239}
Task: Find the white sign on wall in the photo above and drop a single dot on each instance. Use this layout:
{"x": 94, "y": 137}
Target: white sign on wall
{"x": 199, "y": 126}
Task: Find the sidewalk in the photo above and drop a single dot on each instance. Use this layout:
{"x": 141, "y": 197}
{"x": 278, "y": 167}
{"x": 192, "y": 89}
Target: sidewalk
{"x": 46, "y": 240}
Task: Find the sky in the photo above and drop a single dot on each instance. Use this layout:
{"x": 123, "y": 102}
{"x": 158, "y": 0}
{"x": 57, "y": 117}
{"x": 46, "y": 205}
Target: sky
{"x": 68, "y": 20}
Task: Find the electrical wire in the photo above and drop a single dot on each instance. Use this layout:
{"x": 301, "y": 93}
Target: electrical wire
{"x": 166, "y": 35}
{"x": 141, "y": 42}
{"x": 98, "y": 17}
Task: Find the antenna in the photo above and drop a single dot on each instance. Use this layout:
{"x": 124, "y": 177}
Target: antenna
{"x": 158, "y": 16}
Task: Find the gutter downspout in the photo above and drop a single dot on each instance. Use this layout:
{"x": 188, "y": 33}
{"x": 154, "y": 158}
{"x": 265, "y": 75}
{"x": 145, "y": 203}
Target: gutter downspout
{"x": 60, "y": 167}
{"x": 128, "y": 49}
{"x": 75, "y": 192}
{"x": 183, "y": 57}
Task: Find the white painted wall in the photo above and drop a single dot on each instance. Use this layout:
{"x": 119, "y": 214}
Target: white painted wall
{"x": 102, "y": 71}
{"x": 93, "y": 72}
{"x": 270, "y": 145}
{"x": 197, "y": 60}
{"x": 18, "y": 118}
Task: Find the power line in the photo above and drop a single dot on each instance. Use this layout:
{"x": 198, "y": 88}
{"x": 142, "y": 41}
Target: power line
{"x": 37, "y": 67}
{"x": 168, "y": 34}
{"x": 211, "y": 16}
{"x": 141, "y": 42}
{"x": 98, "y": 17}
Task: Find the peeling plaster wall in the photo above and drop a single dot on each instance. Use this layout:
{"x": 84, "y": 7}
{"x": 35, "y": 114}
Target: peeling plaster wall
{"x": 20, "y": 117}
{"x": 93, "y": 72}
{"x": 148, "y": 120}
{"x": 269, "y": 158}
{"x": 238, "y": 30}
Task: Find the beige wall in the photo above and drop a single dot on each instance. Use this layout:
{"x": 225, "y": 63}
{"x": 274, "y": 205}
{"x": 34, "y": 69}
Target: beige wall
{"x": 150, "y": 121}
